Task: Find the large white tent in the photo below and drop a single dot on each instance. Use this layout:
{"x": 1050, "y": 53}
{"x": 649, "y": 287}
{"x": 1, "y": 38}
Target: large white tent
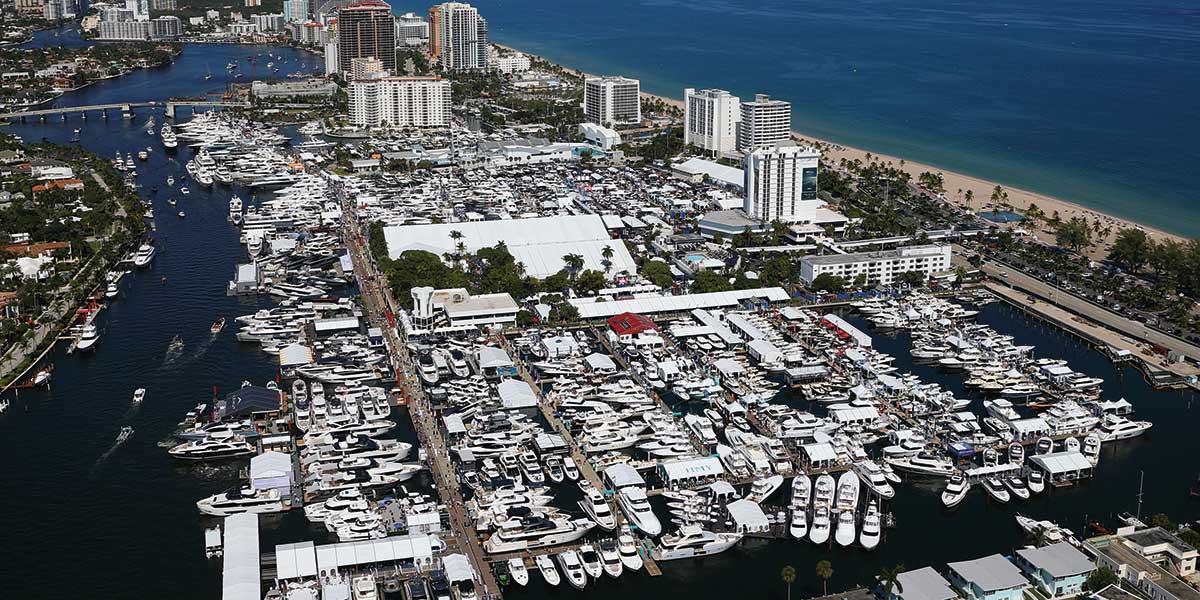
{"x": 538, "y": 243}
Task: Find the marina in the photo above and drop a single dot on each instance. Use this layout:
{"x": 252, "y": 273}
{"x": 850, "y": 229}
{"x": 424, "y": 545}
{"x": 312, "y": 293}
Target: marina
{"x": 302, "y": 431}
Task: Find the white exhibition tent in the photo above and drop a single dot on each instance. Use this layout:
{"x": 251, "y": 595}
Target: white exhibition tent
{"x": 515, "y": 394}
{"x": 242, "y": 578}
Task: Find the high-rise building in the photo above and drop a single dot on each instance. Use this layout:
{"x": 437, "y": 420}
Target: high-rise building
{"x": 268, "y": 21}
{"x": 164, "y": 5}
{"x": 458, "y": 37}
{"x": 366, "y": 29}
{"x": 140, "y": 8}
{"x": 612, "y": 100}
{"x": 166, "y": 27}
{"x": 52, "y": 10}
{"x": 365, "y": 68}
{"x": 781, "y": 183}
{"x": 411, "y": 30}
{"x": 30, "y": 7}
{"x": 764, "y": 121}
{"x": 295, "y": 11}
{"x": 400, "y": 102}
{"x": 124, "y": 30}
{"x": 710, "y": 120}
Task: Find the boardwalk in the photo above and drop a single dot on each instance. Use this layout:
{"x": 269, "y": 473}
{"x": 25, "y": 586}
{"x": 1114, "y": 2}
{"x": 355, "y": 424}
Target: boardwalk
{"x": 378, "y": 305}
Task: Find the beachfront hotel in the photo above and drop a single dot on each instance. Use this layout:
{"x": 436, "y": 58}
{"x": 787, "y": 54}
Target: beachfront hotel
{"x": 781, "y": 183}
{"x": 366, "y": 30}
{"x": 879, "y": 268}
{"x": 458, "y": 37}
{"x": 400, "y": 102}
{"x": 612, "y": 100}
{"x": 710, "y": 119}
{"x": 764, "y": 121}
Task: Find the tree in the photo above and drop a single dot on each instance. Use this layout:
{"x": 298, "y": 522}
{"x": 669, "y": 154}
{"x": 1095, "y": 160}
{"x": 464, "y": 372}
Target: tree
{"x": 1100, "y": 579}
{"x": 789, "y": 577}
{"x": 828, "y": 283}
{"x": 707, "y": 281}
{"x": 824, "y": 571}
{"x": 912, "y": 278}
{"x": 1132, "y": 249}
{"x": 969, "y": 196}
{"x": 1074, "y": 234}
{"x": 1162, "y": 520}
{"x": 590, "y": 282}
{"x": 607, "y": 254}
{"x": 658, "y": 273}
{"x": 889, "y": 579}
{"x": 718, "y": 239}
{"x": 574, "y": 264}
{"x": 999, "y": 196}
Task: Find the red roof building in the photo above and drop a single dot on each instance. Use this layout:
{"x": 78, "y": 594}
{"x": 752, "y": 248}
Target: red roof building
{"x": 630, "y": 324}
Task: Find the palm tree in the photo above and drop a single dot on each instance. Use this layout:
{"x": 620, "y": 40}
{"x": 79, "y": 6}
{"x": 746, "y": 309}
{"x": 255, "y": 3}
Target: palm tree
{"x": 970, "y": 195}
{"x": 574, "y": 264}
{"x": 789, "y": 577}
{"x": 607, "y": 253}
{"x": 824, "y": 571}
{"x": 890, "y": 579}
{"x": 459, "y": 247}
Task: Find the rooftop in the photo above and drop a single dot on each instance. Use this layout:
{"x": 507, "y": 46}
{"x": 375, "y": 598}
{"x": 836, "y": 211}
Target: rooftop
{"x": 1059, "y": 560}
{"x": 906, "y": 252}
{"x": 990, "y": 573}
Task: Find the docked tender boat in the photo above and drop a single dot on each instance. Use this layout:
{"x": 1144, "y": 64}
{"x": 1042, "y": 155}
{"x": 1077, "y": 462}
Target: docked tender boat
{"x": 1036, "y": 481}
{"x": 518, "y": 572}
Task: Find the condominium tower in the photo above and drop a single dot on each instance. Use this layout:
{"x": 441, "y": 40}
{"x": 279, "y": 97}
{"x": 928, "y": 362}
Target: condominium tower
{"x": 710, "y": 120}
{"x": 458, "y": 37}
{"x": 764, "y": 121}
{"x": 612, "y": 100}
{"x": 366, "y": 30}
{"x": 780, "y": 182}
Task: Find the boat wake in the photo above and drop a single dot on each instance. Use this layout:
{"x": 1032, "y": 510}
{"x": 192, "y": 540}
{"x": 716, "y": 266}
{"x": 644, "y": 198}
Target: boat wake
{"x": 174, "y": 352}
{"x": 124, "y": 435}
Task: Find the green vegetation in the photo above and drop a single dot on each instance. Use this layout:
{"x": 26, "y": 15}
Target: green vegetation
{"x": 824, "y": 571}
{"x": 663, "y": 146}
{"x": 658, "y": 272}
{"x": 788, "y": 574}
{"x": 1074, "y": 234}
{"x": 828, "y": 283}
{"x": 1100, "y": 579}
{"x": 708, "y": 281}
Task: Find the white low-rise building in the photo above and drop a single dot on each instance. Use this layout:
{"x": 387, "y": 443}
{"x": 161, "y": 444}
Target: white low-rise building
{"x": 599, "y": 135}
{"x": 879, "y": 268}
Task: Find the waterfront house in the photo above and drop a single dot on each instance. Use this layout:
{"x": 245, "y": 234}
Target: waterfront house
{"x": 989, "y": 578}
{"x": 1150, "y": 562}
{"x": 1058, "y": 569}
{"x": 921, "y": 584}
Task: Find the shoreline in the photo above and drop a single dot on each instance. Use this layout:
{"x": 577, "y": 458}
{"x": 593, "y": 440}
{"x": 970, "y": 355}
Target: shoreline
{"x": 1019, "y": 198}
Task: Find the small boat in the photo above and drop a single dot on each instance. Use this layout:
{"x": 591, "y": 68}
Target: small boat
{"x": 1036, "y": 482}
{"x": 171, "y": 201}
{"x": 627, "y": 548}
{"x": 217, "y": 326}
{"x": 143, "y": 156}
{"x": 518, "y": 572}
{"x": 139, "y": 395}
{"x": 183, "y": 190}
{"x": 996, "y": 490}
{"x": 955, "y": 490}
{"x": 182, "y": 214}
{"x": 126, "y": 431}
{"x": 546, "y": 568}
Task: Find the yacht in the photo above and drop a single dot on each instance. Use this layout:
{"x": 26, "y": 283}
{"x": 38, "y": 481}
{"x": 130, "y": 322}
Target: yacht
{"x": 764, "y": 488}
{"x": 996, "y": 490}
{"x": 144, "y": 255}
{"x": 924, "y": 464}
{"x": 591, "y": 561}
{"x": 88, "y": 338}
{"x": 122, "y": 435}
{"x": 610, "y": 558}
{"x": 365, "y": 588}
{"x": 636, "y": 506}
{"x": 628, "y": 550}
{"x": 1036, "y": 481}
{"x": 955, "y": 490}
{"x": 241, "y": 500}
{"x": 821, "y": 525}
{"x": 572, "y": 567}
{"x": 536, "y": 532}
{"x": 801, "y": 493}
{"x": 235, "y": 210}
{"x": 1017, "y": 486}
{"x": 873, "y": 477}
{"x": 213, "y": 448}
{"x": 844, "y": 533}
{"x": 692, "y": 541}
{"x": 596, "y": 507}
{"x": 139, "y": 395}
{"x": 546, "y": 568}
{"x": 518, "y": 572}
{"x": 871, "y": 527}
{"x": 1116, "y": 427}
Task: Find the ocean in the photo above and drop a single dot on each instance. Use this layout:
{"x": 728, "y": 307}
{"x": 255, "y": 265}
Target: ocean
{"x": 82, "y": 519}
{"x": 1087, "y": 101}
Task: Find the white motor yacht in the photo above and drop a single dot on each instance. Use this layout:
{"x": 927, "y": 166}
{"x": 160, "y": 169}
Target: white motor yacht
{"x": 145, "y": 254}
{"x": 596, "y": 507}
{"x": 591, "y": 561}
{"x": 798, "y": 505}
{"x": 1117, "y": 427}
{"x": 88, "y": 338}
{"x": 996, "y": 490}
{"x": 637, "y": 509}
{"x": 518, "y": 572}
{"x": 955, "y": 491}
{"x": 871, "y": 527}
{"x": 1036, "y": 481}
{"x": 241, "y": 500}
{"x": 139, "y": 395}
{"x": 764, "y": 488}
{"x": 610, "y": 558}
{"x": 628, "y": 549}
{"x": 924, "y": 464}
{"x": 213, "y": 448}
{"x": 1016, "y": 486}
{"x": 546, "y": 567}
{"x": 873, "y": 477}
{"x": 572, "y": 568}
{"x": 692, "y": 541}
{"x": 537, "y": 532}
{"x": 844, "y": 534}
{"x": 821, "y": 525}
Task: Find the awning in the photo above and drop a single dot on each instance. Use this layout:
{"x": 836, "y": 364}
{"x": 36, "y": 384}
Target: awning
{"x": 515, "y": 393}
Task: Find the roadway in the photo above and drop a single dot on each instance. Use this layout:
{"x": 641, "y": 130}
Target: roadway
{"x": 1119, "y": 324}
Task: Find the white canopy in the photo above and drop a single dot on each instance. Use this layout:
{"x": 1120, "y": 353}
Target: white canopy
{"x": 242, "y": 578}
{"x": 515, "y": 393}
{"x": 748, "y": 516}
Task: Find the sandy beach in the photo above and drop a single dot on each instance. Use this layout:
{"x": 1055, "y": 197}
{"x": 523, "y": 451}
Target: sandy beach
{"x": 956, "y": 184}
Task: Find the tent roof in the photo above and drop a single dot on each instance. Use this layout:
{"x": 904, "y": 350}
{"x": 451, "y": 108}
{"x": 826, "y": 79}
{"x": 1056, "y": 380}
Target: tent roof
{"x": 515, "y": 393}
{"x": 1069, "y": 461}
{"x": 491, "y": 357}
